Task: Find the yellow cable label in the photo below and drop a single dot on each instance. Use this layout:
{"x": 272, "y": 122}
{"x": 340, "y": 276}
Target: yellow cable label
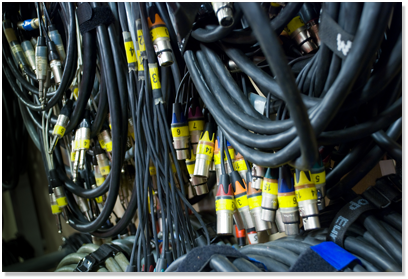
{"x": 99, "y": 180}
{"x": 173, "y": 168}
{"x": 304, "y": 194}
{"x": 287, "y": 201}
{"x": 59, "y": 130}
{"x": 105, "y": 170}
{"x": 76, "y": 93}
{"x": 140, "y": 40}
{"x": 205, "y": 149}
{"x": 190, "y": 168}
{"x": 152, "y": 171}
{"x": 83, "y": 144}
{"x": 102, "y": 143}
{"x": 181, "y": 131}
{"x": 231, "y": 151}
{"x": 140, "y": 66}
{"x": 217, "y": 158}
{"x": 154, "y": 77}
{"x": 196, "y": 125}
{"x": 130, "y": 52}
{"x": 241, "y": 201}
{"x": 55, "y": 209}
{"x": 240, "y": 165}
{"x": 73, "y": 156}
{"x": 255, "y": 202}
{"x": 270, "y": 187}
{"x": 224, "y": 204}
{"x": 62, "y": 201}
{"x": 108, "y": 146}
{"x": 319, "y": 178}
{"x": 159, "y": 32}
{"x": 294, "y": 24}
{"x": 99, "y": 199}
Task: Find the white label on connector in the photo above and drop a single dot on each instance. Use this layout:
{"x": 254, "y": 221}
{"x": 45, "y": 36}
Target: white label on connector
{"x": 387, "y": 167}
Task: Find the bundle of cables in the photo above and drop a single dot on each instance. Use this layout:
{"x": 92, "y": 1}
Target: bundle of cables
{"x": 256, "y": 101}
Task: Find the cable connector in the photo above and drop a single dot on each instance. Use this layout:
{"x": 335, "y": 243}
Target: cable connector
{"x": 160, "y": 38}
{"x": 255, "y": 202}
{"x": 28, "y": 24}
{"x": 298, "y": 31}
{"x": 198, "y": 183}
{"x": 56, "y": 38}
{"x": 224, "y": 13}
{"x": 195, "y": 123}
{"x": 241, "y": 200}
{"x": 306, "y": 196}
{"x": 55, "y": 62}
{"x": 270, "y": 195}
{"x": 318, "y": 173}
{"x": 224, "y": 205}
{"x": 288, "y": 205}
{"x": 180, "y": 132}
{"x": 205, "y": 149}
{"x": 62, "y": 123}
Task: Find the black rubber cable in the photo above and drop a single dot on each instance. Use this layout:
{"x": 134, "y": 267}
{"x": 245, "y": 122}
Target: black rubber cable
{"x": 87, "y": 80}
{"x": 394, "y": 219}
{"x": 243, "y": 265}
{"x": 367, "y": 164}
{"x": 395, "y": 233}
{"x": 173, "y": 267}
{"x": 214, "y": 34}
{"x": 271, "y": 264}
{"x": 388, "y": 145}
{"x": 371, "y": 254}
{"x": 220, "y": 263}
{"x": 277, "y": 253}
{"x": 384, "y": 238}
{"x": 66, "y": 75}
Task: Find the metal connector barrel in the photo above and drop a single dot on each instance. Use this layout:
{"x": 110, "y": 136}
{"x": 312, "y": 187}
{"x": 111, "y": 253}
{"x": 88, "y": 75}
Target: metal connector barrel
{"x": 254, "y": 202}
{"x": 306, "y": 196}
{"x": 224, "y": 13}
{"x": 270, "y": 195}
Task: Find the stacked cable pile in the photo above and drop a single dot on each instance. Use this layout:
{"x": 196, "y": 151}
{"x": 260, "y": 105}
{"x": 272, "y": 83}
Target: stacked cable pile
{"x": 149, "y": 106}
{"x": 375, "y": 249}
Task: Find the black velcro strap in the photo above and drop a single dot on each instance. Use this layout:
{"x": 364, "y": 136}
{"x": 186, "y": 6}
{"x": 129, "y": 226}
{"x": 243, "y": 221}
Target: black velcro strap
{"x": 93, "y": 260}
{"x": 347, "y": 216}
{"x": 199, "y": 257}
{"x": 332, "y": 35}
{"x": 89, "y": 18}
{"x": 383, "y": 193}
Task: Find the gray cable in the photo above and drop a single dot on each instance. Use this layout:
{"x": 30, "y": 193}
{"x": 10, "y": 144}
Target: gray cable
{"x": 112, "y": 265}
{"x": 371, "y": 240}
{"x": 294, "y": 246}
{"x": 395, "y": 233}
{"x": 278, "y": 253}
{"x": 369, "y": 266}
{"x": 271, "y": 264}
{"x": 394, "y": 219}
{"x": 88, "y": 248}
{"x": 220, "y": 263}
{"x": 244, "y": 265}
{"x": 67, "y": 268}
{"x": 174, "y": 265}
{"x": 371, "y": 254}
{"x": 73, "y": 258}
{"x": 384, "y": 238}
